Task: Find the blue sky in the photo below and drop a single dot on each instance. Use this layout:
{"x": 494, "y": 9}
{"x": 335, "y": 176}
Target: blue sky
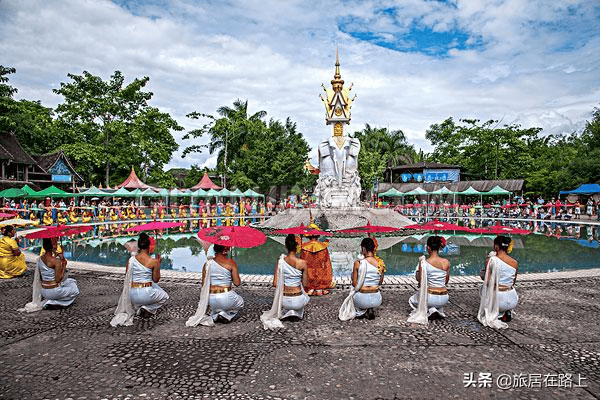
{"x": 413, "y": 62}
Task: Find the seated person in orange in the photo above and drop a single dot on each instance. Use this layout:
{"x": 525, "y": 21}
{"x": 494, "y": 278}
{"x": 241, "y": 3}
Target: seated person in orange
{"x": 174, "y": 213}
{"x": 141, "y": 214}
{"x": 33, "y": 217}
{"x": 319, "y": 272}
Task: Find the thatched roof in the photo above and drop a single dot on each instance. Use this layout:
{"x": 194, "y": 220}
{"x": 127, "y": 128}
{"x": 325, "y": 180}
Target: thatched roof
{"x": 10, "y": 149}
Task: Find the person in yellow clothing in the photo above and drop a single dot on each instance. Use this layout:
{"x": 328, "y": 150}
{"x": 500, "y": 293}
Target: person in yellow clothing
{"x": 86, "y": 217}
{"x": 12, "y": 261}
{"x": 142, "y": 214}
{"x": 101, "y": 218}
{"x": 183, "y": 218}
{"x": 204, "y": 218}
{"x": 174, "y": 213}
{"x": 242, "y": 212}
{"x": 161, "y": 214}
{"x": 194, "y": 222}
{"x": 153, "y": 213}
{"x": 47, "y": 218}
{"x": 33, "y": 217}
{"x": 62, "y": 218}
{"x": 73, "y": 218}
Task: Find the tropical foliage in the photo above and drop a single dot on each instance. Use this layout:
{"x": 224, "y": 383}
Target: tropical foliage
{"x": 252, "y": 153}
{"x": 381, "y": 148}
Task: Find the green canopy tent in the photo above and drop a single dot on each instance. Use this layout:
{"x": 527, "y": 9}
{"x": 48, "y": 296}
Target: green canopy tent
{"x": 497, "y": 190}
{"x": 200, "y": 193}
{"x": 445, "y": 191}
{"x": 28, "y": 190}
{"x": 391, "y": 193}
{"x": 237, "y": 193}
{"x": 52, "y": 191}
{"x": 224, "y": 193}
{"x": 212, "y": 193}
{"x": 252, "y": 193}
{"x": 93, "y": 191}
{"x": 122, "y": 193}
{"x": 149, "y": 193}
{"x": 419, "y": 191}
{"x": 13, "y": 193}
{"x": 471, "y": 191}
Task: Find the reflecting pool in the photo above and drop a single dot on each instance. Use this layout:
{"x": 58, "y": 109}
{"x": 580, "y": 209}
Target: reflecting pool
{"x": 574, "y": 247}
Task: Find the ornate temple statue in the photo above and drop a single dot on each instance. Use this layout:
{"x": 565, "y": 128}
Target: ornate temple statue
{"x": 339, "y": 183}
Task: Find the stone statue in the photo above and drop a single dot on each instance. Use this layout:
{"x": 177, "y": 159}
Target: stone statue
{"x": 339, "y": 183}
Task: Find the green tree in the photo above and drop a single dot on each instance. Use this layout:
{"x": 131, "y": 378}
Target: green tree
{"x": 228, "y": 134}
{"x": 486, "y": 151}
{"x": 8, "y": 106}
{"x": 381, "y": 148}
{"x": 110, "y": 124}
{"x": 251, "y": 152}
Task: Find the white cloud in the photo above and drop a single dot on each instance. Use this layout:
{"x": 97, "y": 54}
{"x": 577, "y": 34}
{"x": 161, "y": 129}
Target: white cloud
{"x": 200, "y": 56}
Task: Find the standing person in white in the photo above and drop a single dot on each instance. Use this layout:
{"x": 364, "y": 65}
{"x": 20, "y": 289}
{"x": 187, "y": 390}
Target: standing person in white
{"x": 289, "y": 278}
{"x": 498, "y": 295}
{"x": 145, "y": 274}
{"x": 432, "y": 274}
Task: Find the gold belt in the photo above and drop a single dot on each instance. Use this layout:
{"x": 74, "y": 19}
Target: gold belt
{"x": 439, "y": 291}
{"x": 504, "y": 288}
{"x": 49, "y": 284}
{"x": 219, "y": 289}
{"x": 369, "y": 289}
{"x": 291, "y": 294}
{"x": 137, "y": 285}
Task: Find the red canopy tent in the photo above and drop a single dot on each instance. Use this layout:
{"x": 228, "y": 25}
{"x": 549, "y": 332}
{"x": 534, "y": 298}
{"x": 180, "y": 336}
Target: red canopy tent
{"x": 205, "y": 183}
{"x": 133, "y": 182}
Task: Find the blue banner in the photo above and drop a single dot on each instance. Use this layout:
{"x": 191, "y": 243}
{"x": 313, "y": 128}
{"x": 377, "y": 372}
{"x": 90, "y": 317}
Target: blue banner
{"x": 61, "y": 178}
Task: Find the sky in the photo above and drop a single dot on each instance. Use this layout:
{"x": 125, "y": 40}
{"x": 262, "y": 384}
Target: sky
{"x": 413, "y": 63}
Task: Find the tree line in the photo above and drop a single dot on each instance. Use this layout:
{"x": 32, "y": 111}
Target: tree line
{"x": 105, "y": 127}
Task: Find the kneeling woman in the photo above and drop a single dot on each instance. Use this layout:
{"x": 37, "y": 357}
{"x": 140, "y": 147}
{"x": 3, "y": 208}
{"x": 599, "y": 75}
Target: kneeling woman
{"x": 218, "y": 274}
{"x": 49, "y": 281}
{"x": 498, "y": 295}
{"x": 432, "y": 274}
{"x": 140, "y": 287}
{"x": 367, "y": 276}
{"x": 289, "y": 278}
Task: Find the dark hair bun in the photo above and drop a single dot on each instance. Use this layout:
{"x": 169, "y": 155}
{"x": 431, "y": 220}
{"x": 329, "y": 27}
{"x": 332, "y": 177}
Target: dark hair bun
{"x": 502, "y": 241}
{"x": 368, "y": 244}
{"x": 290, "y": 243}
{"x": 144, "y": 241}
{"x": 435, "y": 243}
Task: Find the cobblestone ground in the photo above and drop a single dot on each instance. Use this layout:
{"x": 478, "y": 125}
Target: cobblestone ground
{"x": 551, "y": 345}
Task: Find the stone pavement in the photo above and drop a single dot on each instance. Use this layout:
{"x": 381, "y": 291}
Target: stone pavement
{"x": 551, "y": 346}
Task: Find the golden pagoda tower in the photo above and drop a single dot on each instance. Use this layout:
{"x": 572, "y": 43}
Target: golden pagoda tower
{"x": 337, "y": 102}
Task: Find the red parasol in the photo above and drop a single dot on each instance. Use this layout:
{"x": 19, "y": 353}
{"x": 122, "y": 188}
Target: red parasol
{"x": 153, "y": 226}
{"x": 464, "y": 206}
{"x": 370, "y": 229}
{"x": 233, "y": 236}
{"x": 505, "y": 230}
{"x": 58, "y": 231}
{"x": 296, "y": 230}
{"x": 408, "y": 206}
{"x": 436, "y": 225}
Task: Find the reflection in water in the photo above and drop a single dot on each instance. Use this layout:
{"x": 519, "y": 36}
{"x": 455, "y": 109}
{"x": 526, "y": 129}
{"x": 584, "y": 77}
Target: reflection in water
{"x": 555, "y": 246}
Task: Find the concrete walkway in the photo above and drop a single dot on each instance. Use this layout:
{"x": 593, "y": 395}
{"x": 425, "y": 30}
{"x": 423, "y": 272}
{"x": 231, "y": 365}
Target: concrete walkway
{"x": 550, "y": 350}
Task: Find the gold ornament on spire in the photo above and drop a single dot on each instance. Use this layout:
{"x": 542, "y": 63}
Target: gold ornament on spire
{"x": 337, "y": 101}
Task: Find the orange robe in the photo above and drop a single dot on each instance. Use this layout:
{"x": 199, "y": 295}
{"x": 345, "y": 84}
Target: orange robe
{"x": 319, "y": 272}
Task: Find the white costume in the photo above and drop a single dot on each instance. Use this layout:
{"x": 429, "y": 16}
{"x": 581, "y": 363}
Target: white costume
{"x": 431, "y": 277}
{"x": 357, "y": 303}
{"x": 62, "y": 295}
{"x": 226, "y": 304}
{"x": 285, "y": 306}
{"x": 150, "y": 298}
{"x": 494, "y": 301}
